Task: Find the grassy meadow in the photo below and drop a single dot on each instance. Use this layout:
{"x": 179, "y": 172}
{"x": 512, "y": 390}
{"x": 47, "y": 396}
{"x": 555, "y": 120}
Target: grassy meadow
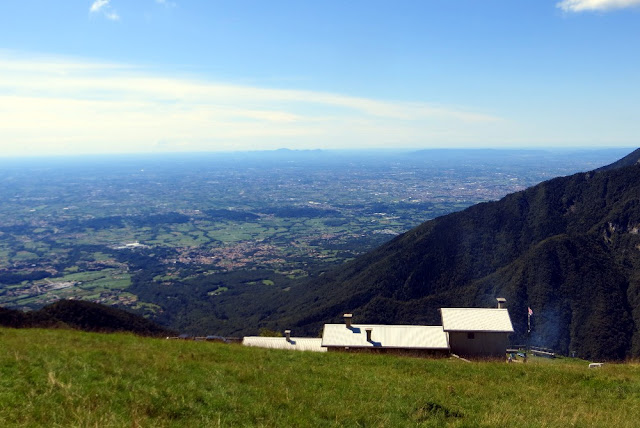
{"x": 68, "y": 378}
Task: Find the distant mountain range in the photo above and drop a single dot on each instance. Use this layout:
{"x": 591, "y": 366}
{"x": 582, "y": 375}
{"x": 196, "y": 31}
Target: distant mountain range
{"x": 568, "y": 248}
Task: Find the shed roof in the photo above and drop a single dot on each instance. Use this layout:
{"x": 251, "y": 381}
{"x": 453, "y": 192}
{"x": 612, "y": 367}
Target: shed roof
{"x": 296, "y": 343}
{"x": 476, "y": 319}
{"x": 385, "y": 336}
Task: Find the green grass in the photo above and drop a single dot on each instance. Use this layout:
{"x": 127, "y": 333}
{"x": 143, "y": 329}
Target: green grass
{"x": 106, "y": 278}
{"x": 23, "y": 256}
{"x": 99, "y": 256}
{"x": 91, "y": 285}
{"x": 84, "y": 276}
{"x": 66, "y": 378}
{"x": 217, "y": 291}
{"x": 35, "y": 246}
{"x": 116, "y": 282}
{"x": 4, "y": 256}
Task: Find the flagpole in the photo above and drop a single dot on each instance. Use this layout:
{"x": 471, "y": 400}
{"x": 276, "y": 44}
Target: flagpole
{"x": 529, "y": 313}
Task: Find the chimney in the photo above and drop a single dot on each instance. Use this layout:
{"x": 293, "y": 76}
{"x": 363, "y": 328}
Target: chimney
{"x": 368, "y": 330}
{"x": 347, "y": 320}
{"x": 502, "y": 302}
{"x": 287, "y": 334}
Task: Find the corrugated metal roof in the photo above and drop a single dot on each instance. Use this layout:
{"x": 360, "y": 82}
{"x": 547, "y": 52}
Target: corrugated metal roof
{"x": 476, "y": 319}
{"x": 385, "y": 336}
{"x": 296, "y": 343}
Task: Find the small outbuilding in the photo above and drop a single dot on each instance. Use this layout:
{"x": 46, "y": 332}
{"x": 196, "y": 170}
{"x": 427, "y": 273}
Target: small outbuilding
{"x": 478, "y": 332}
{"x": 417, "y": 340}
{"x": 287, "y": 342}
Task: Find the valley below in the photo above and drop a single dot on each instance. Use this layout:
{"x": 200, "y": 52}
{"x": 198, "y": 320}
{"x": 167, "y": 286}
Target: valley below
{"x": 197, "y": 242}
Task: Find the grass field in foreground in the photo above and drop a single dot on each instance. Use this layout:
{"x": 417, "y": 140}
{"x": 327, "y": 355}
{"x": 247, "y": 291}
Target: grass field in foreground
{"x": 68, "y": 378}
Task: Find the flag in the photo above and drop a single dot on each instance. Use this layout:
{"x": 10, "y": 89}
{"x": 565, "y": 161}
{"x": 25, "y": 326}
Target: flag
{"x": 530, "y": 311}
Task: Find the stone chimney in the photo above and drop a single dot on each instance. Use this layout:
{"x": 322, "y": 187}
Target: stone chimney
{"x": 287, "y": 334}
{"x": 347, "y": 319}
{"x": 502, "y": 302}
{"x": 368, "y": 330}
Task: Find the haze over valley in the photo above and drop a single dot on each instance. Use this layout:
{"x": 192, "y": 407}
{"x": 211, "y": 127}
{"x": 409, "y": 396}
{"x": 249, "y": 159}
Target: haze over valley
{"x": 110, "y": 229}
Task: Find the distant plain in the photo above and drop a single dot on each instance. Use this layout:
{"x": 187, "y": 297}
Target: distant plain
{"x": 107, "y": 228}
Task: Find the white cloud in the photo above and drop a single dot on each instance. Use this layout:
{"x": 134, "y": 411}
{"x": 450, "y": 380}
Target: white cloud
{"x": 98, "y": 5}
{"x": 106, "y": 9}
{"x": 54, "y": 105}
{"x": 594, "y": 5}
{"x": 166, "y": 3}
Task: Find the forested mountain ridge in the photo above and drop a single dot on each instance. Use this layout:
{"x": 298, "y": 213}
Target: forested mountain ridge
{"x": 82, "y": 315}
{"x": 568, "y": 248}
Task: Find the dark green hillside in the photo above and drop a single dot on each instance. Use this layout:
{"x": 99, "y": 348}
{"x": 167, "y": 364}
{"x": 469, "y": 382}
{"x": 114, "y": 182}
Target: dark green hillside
{"x": 631, "y": 159}
{"x": 568, "y": 248}
{"x": 81, "y": 315}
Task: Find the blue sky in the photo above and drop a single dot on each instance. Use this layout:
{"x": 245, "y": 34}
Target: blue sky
{"x": 117, "y": 76}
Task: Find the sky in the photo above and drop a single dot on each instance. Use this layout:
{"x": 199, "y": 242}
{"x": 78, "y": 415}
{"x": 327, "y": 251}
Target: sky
{"x": 155, "y": 76}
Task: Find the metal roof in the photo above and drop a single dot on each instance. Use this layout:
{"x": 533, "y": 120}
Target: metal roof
{"x": 476, "y": 319}
{"x": 385, "y": 336}
{"x": 296, "y": 343}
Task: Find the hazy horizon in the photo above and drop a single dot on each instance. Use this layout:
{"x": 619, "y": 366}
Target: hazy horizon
{"x": 168, "y": 76}
{"x": 346, "y": 152}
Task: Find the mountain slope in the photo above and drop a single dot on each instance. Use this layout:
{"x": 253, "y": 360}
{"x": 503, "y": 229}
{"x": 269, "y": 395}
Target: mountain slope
{"x": 81, "y": 315}
{"x": 568, "y": 248}
{"x": 632, "y": 158}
